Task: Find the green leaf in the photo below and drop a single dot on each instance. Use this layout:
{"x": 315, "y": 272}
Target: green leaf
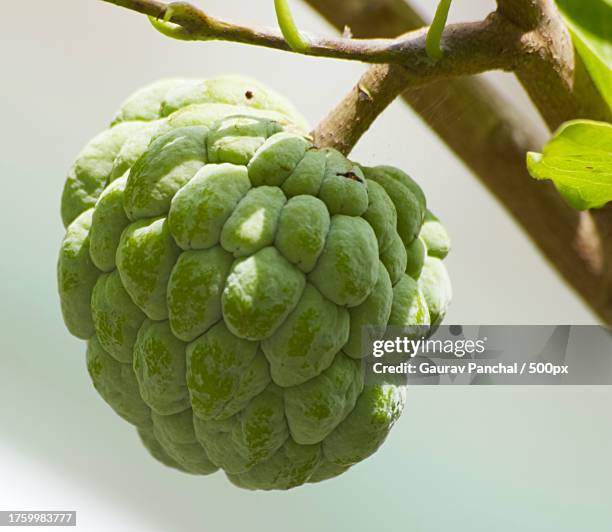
{"x": 578, "y": 159}
{"x": 590, "y": 23}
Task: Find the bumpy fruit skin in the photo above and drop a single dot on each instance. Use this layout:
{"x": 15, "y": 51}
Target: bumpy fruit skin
{"x": 221, "y": 270}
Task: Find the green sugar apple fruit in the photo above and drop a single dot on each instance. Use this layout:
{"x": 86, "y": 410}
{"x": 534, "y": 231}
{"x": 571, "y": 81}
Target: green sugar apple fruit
{"x": 221, "y": 269}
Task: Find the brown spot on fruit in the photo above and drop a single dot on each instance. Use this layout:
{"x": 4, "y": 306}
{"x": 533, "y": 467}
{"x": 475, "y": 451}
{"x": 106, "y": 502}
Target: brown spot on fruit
{"x": 353, "y": 176}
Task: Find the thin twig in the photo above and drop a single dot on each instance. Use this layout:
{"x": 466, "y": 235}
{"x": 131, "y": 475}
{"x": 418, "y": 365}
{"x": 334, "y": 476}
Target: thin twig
{"x": 471, "y": 48}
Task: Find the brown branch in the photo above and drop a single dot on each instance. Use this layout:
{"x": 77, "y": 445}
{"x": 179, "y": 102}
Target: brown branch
{"x": 552, "y": 73}
{"x": 492, "y": 140}
{"x": 470, "y": 48}
{"x": 346, "y": 124}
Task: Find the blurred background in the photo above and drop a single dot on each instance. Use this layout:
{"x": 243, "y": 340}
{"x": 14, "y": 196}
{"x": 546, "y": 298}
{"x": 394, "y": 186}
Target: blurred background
{"x": 473, "y": 459}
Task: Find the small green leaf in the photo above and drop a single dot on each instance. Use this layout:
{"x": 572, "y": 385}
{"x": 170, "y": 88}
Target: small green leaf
{"x": 578, "y": 159}
{"x": 590, "y": 23}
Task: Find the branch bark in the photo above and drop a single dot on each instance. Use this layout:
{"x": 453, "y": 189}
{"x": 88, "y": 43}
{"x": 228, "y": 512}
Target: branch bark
{"x": 490, "y": 138}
